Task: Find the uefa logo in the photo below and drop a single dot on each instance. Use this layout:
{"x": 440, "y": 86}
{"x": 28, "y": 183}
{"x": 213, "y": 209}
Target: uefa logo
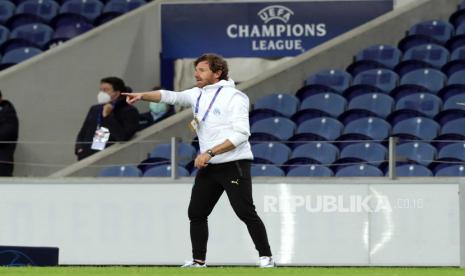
{"x": 277, "y": 12}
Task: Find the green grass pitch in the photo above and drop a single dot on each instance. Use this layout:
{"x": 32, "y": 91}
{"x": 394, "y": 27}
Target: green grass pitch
{"x": 219, "y": 271}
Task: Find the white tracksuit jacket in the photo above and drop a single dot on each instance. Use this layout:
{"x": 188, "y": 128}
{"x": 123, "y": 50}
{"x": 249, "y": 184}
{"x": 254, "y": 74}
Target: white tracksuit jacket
{"x": 228, "y": 118}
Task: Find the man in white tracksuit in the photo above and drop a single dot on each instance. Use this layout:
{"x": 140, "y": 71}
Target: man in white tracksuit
{"x": 221, "y": 121}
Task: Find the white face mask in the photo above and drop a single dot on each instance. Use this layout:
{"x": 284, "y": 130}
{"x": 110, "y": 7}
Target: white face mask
{"x": 103, "y": 98}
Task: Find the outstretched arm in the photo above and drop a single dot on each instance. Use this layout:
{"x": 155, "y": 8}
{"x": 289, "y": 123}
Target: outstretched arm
{"x": 152, "y": 96}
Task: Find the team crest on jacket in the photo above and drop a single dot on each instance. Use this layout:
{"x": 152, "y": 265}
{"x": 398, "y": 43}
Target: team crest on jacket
{"x": 216, "y": 112}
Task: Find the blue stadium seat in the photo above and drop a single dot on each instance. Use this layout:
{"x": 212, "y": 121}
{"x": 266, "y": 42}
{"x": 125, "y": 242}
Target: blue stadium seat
{"x": 331, "y": 103}
{"x": 272, "y": 129}
{"x": 458, "y": 40}
{"x": 43, "y": 10}
{"x": 452, "y": 170}
{"x": 165, "y": 171}
{"x": 317, "y": 129}
{"x": 417, "y": 128}
{"x": 375, "y": 57}
{"x": 451, "y": 110}
{"x": 455, "y": 85}
{"x": 311, "y": 170}
{"x": 322, "y": 152}
{"x": 89, "y": 9}
{"x": 378, "y": 103}
{"x": 419, "y": 152}
{"x": 37, "y": 35}
{"x": 186, "y": 153}
{"x": 418, "y": 81}
{"x": 120, "y": 171}
{"x": 453, "y": 150}
{"x": 260, "y": 114}
{"x": 456, "y": 62}
{"x": 275, "y": 153}
{"x": 427, "y": 32}
{"x": 359, "y": 170}
{"x": 19, "y": 55}
{"x": 370, "y": 128}
{"x": 334, "y": 79}
{"x": 7, "y": 10}
{"x": 67, "y": 32}
{"x": 412, "y": 170}
{"x": 421, "y": 57}
{"x": 374, "y": 153}
{"x": 372, "y": 81}
{"x": 266, "y": 170}
{"x": 284, "y": 104}
{"x": 115, "y": 8}
{"x": 416, "y": 104}
{"x": 455, "y": 127}
{"x": 4, "y": 34}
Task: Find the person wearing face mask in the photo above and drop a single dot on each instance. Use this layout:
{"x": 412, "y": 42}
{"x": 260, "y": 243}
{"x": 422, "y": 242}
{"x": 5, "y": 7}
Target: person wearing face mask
{"x": 157, "y": 113}
{"x": 8, "y": 133}
{"x": 110, "y": 120}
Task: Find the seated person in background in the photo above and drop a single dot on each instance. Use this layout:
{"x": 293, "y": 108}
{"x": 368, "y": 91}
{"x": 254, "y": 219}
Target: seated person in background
{"x": 157, "y": 113}
{"x": 111, "y": 120}
{"x": 8, "y": 132}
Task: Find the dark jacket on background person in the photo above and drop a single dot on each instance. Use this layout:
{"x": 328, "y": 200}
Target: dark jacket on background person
{"x": 122, "y": 123}
{"x": 8, "y": 132}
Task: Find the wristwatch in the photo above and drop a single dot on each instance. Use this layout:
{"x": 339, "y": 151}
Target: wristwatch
{"x": 210, "y": 152}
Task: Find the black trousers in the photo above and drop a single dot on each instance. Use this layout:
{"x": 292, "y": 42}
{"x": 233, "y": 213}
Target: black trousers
{"x": 210, "y": 182}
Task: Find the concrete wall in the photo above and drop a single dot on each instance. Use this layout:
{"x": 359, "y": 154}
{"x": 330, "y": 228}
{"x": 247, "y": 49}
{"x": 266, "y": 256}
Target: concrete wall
{"x": 53, "y": 92}
{"x": 337, "y": 53}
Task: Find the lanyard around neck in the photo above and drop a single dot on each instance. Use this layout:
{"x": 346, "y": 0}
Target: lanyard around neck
{"x": 209, "y": 107}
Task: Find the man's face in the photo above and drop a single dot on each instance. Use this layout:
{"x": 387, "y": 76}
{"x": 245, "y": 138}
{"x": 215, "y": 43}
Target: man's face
{"x": 108, "y": 88}
{"x": 204, "y": 76}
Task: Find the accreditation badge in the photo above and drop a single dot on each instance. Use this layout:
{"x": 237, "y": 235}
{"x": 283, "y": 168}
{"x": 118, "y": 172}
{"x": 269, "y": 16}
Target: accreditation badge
{"x": 101, "y": 137}
{"x": 194, "y": 125}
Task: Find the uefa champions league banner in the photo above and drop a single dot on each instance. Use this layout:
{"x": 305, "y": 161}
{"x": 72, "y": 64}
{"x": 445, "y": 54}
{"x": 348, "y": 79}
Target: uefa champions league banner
{"x": 260, "y": 29}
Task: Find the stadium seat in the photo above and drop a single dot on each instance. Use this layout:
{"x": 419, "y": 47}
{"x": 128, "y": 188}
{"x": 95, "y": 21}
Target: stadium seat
{"x": 452, "y": 170}
{"x": 333, "y": 79}
{"x": 66, "y": 32}
{"x": 186, "y": 153}
{"x": 456, "y": 62}
{"x": 418, "y": 81}
{"x": 120, "y": 171}
{"x": 419, "y": 152}
{"x": 275, "y": 153}
{"x": 322, "y": 152}
{"x": 89, "y": 9}
{"x": 311, "y": 170}
{"x": 378, "y": 103}
{"x": 34, "y": 11}
{"x": 284, "y": 104}
{"x": 372, "y": 81}
{"x": 458, "y": 17}
{"x": 4, "y": 34}
{"x": 415, "y": 105}
{"x": 7, "y": 10}
{"x": 115, "y": 8}
{"x": 374, "y": 153}
{"x": 455, "y": 85}
{"x": 272, "y": 129}
{"x": 165, "y": 171}
{"x": 427, "y": 32}
{"x": 359, "y": 170}
{"x": 375, "y": 57}
{"x": 19, "y": 55}
{"x": 317, "y": 129}
{"x": 453, "y": 150}
{"x": 458, "y": 40}
{"x": 370, "y": 128}
{"x": 260, "y": 114}
{"x": 266, "y": 170}
{"x": 417, "y": 128}
{"x": 36, "y": 35}
{"x": 421, "y": 57}
{"x": 412, "y": 170}
{"x": 331, "y": 103}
